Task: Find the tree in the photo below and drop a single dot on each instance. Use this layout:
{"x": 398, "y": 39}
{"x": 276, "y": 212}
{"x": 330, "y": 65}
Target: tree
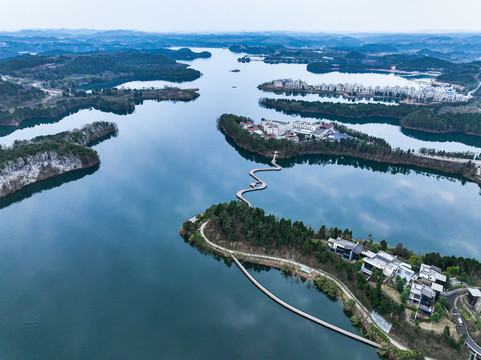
{"x": 405, "y": 295}
{"x": 443, "y": 300}
{"x": 349, "y": 305}
{"x": 400, "y": 283}
{"x": 447, "y": 331}
{"x": 398, "y": 250}
{"x": 383, "y": 245}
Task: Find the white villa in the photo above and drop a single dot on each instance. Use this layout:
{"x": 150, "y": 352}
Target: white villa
{"x": 387, "y": 263}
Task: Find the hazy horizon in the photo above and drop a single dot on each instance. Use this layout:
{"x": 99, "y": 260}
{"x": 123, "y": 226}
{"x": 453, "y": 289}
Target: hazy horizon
{"x": 221, "y": 16}
{"x": 279, "y": 31}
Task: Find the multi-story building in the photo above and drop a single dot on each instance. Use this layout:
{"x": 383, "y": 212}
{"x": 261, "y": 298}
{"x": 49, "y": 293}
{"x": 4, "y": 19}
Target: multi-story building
{"x": 347, "y": 249}
{"x": 275, "y": 127}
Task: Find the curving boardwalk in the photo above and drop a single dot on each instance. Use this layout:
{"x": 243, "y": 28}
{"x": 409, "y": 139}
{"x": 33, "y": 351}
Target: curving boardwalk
{"x": 302, "y": 313}
{"x": 259, "y": 184}
{"x": 343, "y": 287}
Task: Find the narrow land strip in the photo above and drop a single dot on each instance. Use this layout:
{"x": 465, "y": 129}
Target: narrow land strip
{"x": 363, "y": 311}
{"x": 302, "y": 313}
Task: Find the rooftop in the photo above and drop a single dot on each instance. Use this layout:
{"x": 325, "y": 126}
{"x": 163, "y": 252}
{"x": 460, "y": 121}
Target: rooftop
{"x": 475, "y": 292}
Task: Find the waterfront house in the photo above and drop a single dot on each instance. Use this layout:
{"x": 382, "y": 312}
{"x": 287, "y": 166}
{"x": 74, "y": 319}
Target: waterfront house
{"x": 405, "y": 272}
{"x": 347, "y": 249}
{"x": 423, "y": 296}
{"x": 387, "y": 263}
{"x": 430, "y": 274}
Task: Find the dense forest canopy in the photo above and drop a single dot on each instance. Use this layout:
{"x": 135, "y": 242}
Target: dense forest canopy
{"x": 88, "y": 68}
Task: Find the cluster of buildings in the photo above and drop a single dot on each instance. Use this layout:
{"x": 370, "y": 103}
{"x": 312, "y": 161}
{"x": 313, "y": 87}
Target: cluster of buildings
{"x": 286, "y": 130}
{"x": 426, "y": 285}
{"x": 420, "y": 94}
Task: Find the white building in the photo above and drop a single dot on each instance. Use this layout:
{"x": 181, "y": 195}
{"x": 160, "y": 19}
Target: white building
{"x": 429, "y": 274}
{"x": 474, "y": 298}
{"x": 301, "y": 126}
{"x": 275, "y": 127}
{"x": 423, "y": 296}
{"x": 387, "y": 263}
{"x": 347, "y": 249}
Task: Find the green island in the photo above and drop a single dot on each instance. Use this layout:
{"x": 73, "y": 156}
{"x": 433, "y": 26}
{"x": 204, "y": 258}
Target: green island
{"x": 355, "y": 145}
{"x": 252, "y": 235}
{"x": 29, "y": 161}
{"x": 438, "y": 118}
{"x": 35, "y": 105}
{"x": 90, "y": 70}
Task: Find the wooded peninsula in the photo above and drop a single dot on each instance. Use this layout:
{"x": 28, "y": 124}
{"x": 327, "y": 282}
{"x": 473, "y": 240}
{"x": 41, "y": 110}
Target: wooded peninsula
{"x": 244, "y": 229}
{"x": 359, "y": 145}
{"x": 121, "y": 101}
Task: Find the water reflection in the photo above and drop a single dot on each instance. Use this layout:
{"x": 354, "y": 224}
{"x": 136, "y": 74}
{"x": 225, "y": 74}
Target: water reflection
{"x": 38, "y": 187}
{"x": 470, "y": 140}
{"x": 323, "y": 160}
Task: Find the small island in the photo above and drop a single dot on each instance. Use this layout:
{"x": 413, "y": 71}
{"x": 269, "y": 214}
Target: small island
{"x": 351, "y": 143}
{"x": 95, "y": 69}
{"x": 44, "y": 157}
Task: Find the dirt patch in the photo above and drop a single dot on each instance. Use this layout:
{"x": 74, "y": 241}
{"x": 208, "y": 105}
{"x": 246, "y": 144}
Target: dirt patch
{"x": 392, "y": 293}
{"x": 435, "y": 327}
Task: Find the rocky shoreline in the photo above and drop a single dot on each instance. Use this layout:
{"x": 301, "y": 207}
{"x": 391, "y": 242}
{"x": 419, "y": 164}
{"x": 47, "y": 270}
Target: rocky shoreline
{"x": 44, "y": 157}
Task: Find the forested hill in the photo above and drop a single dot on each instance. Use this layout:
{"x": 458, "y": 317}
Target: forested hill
{"x": 13, "y": 95}
{"x": 86, "y": 70}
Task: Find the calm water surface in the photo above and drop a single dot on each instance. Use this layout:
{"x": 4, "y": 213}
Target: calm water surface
{"x": 93, "y": 267}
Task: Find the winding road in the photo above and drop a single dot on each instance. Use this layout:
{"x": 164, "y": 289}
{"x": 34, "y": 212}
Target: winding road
{"x": 453, "y": 297}
{"x": 259, "y": 184}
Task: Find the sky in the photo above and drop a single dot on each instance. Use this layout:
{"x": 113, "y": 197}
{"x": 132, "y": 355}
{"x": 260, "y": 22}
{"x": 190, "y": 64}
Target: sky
{"x": 340, "y": 16}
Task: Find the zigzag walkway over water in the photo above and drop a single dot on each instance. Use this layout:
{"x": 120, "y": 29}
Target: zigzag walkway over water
{"x": 255, "y": 185}
{"x": 302, "y": 313}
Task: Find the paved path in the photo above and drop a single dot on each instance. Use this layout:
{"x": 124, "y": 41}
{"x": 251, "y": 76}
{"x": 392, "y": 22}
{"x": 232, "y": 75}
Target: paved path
{"x": 259, "y": 184}
{"x": 341, "y": 285}
{"x": 302, "y": 313}
{"x": 445, "y": 158}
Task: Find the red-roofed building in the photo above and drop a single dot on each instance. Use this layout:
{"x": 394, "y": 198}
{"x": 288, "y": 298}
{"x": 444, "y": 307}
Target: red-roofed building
{"x": 292, "y": 138}
{"x": 327, "y": 126}
{"x": 269, "y": 136}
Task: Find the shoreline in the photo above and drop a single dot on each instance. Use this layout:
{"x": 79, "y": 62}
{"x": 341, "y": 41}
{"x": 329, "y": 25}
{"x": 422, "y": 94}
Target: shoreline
{"x": 320, "y": 109}
{"x": 366, "y": 320}
{"x": 30, "y": 162}
{"x": 444, "y": 166}
{"x": 121, "y": 102}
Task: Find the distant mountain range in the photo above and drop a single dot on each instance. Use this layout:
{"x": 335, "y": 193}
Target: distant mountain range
{"x": 458, "y": 47}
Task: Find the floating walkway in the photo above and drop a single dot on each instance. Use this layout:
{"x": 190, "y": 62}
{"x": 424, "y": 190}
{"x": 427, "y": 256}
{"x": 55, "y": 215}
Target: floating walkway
{"x": 302, "y": 313}
{"x": 259, "y": 184}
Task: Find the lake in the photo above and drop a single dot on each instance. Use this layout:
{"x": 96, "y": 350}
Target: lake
{"x": 92, "y": 265}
